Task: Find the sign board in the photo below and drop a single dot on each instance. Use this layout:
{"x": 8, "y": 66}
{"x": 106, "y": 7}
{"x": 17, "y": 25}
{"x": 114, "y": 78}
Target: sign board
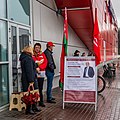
{"x": 80, "y": 85}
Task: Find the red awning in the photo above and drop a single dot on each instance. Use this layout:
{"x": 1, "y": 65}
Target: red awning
{"x": 80, "y": 18}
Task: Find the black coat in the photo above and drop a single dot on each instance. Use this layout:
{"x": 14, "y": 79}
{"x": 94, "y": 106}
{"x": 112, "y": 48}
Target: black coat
{"x": 28, "y": 68}
{"x": 51, "y": 64}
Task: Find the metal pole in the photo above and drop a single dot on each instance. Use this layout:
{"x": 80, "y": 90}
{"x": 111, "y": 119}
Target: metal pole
{"x": 72, "y": 9}
{"x": 104, "y": 47}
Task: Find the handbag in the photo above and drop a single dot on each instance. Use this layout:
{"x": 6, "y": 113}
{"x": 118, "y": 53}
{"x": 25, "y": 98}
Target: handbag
{"x": 31, "y": 96}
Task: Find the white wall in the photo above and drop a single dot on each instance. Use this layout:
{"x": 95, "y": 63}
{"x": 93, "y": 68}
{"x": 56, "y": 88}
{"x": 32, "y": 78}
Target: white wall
{"x": 47, "y": 26}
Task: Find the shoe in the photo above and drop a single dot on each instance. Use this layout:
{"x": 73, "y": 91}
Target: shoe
{"x": 35, "y": 108}
{"x": 51, "y": 101}
{"x": 41, "y": 104}
{"x": 29, "y": 110}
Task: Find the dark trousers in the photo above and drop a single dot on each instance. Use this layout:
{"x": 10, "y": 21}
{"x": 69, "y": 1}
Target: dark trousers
{"x": 40, "y": 87}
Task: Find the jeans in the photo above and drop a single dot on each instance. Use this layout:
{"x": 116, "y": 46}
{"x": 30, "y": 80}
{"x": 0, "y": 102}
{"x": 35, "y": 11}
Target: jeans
{"x": 50, "y": 76}
{"x": 40, "y": 86}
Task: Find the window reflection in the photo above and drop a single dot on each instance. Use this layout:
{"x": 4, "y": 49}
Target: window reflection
{"x": 23, "y": 38}
{"x": 14, "y": 58}
{"x": 3, "y": 41}
{"x": 4, "y": 85}
{"x": 3, "y": 8}
{"x": 19, "y": 10}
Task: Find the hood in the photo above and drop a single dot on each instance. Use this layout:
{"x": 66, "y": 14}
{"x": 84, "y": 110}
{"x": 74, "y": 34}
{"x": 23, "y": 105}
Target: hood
{"x": 23, "y": 56}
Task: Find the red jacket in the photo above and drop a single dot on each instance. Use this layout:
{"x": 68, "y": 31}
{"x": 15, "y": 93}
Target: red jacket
{"x": 40, "y": 57}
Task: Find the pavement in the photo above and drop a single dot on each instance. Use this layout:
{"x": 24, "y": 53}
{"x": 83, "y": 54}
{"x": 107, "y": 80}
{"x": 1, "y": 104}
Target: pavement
{"x": 108, "y": 107}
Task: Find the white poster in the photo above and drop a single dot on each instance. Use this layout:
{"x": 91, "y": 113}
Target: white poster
{"x": 80, "y": 74}
{"x": 80, "y": 79}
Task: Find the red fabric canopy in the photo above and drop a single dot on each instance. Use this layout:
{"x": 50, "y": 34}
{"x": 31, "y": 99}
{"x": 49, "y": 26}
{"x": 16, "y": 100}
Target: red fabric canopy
{"x": 81, "y": 20}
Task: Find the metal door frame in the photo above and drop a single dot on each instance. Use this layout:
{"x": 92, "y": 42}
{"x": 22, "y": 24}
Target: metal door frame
{"x": 18, "y": 49}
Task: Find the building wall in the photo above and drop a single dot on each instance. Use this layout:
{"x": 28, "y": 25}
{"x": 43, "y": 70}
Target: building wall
{"x": 108, "y": 31}
{"x": 119, "y": 41}
{"x": 48, "y": 26}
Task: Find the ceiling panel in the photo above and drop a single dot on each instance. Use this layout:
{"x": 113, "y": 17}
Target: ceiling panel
{"x": 72, "y": 3}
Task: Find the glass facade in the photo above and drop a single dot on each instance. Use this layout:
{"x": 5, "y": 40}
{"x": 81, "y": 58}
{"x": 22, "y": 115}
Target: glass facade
{"x": 4, "y": 83}
{"x": 4, "y": 88}
{"x": 3, "y": 41}
{"x": 3, "y": 10}
{"x": 19, "y": 11}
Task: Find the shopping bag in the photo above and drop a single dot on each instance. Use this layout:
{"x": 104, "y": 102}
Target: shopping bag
{"x": 31, "y": 96}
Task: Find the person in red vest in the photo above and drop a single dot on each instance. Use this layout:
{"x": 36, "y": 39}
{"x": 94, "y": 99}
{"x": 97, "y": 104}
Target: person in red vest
{"x": 41, "y": 60}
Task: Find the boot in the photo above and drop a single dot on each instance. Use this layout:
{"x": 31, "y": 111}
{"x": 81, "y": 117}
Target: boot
{"x": 41, "y": 104}
{"x": 35, "y": 108}
{"x": 29, "y": 110}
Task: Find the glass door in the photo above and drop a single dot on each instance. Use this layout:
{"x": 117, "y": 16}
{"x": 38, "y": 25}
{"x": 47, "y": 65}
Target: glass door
{"x": 14, "y": 57}
{"x": 19, "y": 38}
{"x": 24, "y": 40}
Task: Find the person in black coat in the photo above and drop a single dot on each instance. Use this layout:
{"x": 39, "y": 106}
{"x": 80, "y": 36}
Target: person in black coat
{"x": 88, "y": 71}
{"x": 28, "y": 68}
{"x": 83, "y": 54}
{"x": 76, "y": 53}
{"x": 50, "y": 71}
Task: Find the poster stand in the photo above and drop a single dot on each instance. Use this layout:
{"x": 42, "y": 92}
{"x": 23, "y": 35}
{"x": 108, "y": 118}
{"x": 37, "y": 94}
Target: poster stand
{"x": 78, "y": 88}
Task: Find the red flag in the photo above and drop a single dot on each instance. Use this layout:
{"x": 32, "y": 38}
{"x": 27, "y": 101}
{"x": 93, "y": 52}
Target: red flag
{"x": 96, "y": 46}
{"x": 64, "y": 50}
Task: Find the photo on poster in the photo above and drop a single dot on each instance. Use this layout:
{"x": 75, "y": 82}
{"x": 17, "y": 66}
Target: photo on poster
{"x": 88, "y": 71}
